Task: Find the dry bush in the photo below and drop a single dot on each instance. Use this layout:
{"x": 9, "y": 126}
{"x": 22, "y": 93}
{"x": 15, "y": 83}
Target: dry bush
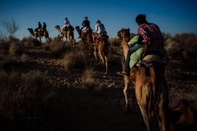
{"x": 115, "y": 52}
{"x": 16, "y": 48}
{"x": 23, "y": 99}
{"x": 4, "y": 45}
{"x": 115, "y": 42}
{"x": 46, "y": 47}
{"x": 24, "y": 57}
{"x": 183, "y": 46}
{"x": 88, "y": 80}
{"x": 59, "y": 47}
{"x": 32, "y": 42}
{"x": 173, "y": 49}
{"x": 74, "y": 60}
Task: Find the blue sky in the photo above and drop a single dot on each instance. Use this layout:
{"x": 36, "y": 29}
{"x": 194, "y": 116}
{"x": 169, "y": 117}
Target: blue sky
{"x": 172, "y": 16}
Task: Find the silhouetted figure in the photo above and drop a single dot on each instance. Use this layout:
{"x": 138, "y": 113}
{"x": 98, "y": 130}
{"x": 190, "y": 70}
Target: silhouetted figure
{"x": 44, "y": 26}
{"x": 39, "y": 27}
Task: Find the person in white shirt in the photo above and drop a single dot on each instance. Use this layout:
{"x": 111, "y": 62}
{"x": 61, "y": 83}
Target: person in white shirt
{"x": 100, "y": 28}
{"x": 66, "y": 23}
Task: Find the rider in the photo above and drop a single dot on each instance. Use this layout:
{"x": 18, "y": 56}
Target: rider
{"x": 66, "y": 24}
{"x": 152, "y": 38}
{"x": 39, "y": 27}
{"x": 44, "y": 26}
{"x": 85, "y": 23}
{"x": 100, "y": 29}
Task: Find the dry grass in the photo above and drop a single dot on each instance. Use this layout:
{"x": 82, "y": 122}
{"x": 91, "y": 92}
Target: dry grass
{"x": 74, "y": 60}
{"x": 24, "y": 97}
{"x": 24, "y": 57}
{"x": 89, "y": 82}
{"x": 28, "y": 100}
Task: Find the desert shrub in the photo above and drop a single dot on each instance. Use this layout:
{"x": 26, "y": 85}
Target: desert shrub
{"x": 115, "y": 52}
{"x": 4, "y": 45}
{"x": 32, "y": 42}
{"x": 34, "y": 78}
{"x": 183, "y": 46}
{"x": 74, "y": 60}
{"x": 115, "y": 42}
{"x": 16, "y": 48}
{"x": 13, "y": 39}
{"x": 59, "y": 47}
{"x": 88, "y": 80}
{"x": 46, "y": 47}
{"x": 24, "y": 57}
{"x": 173, "y": 49}
{"x": 23, "y": 99}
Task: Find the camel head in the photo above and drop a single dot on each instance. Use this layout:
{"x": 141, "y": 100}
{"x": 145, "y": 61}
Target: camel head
{"x": 124, "y": 33}
{"x": 57, "y": 27}
{"x": 31, "y": 31}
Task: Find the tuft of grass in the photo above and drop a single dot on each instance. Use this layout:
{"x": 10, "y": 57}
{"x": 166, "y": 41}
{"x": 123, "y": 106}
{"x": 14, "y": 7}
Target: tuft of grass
{"x": 74, "y": 60}
{"x": 88, "y": 80}
{"x": 34, "y": 78}
{"x": 59, "y": 47}
{"x": 24, "y": 57}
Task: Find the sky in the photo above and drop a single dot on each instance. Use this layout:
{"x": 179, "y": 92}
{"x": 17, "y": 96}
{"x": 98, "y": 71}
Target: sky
{"x": 172, "y": 16}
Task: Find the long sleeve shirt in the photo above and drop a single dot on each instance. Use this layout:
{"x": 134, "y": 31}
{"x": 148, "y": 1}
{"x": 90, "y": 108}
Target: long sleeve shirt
{"x": 66, "y": 23}
{"x": 151, "y": 35}
{"x": 86, "y": 23}
{"x": 100, "y": 28}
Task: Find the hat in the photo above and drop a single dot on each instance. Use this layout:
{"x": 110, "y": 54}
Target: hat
{"x": 98, "y": 21}
{"x": 86, "y": 17}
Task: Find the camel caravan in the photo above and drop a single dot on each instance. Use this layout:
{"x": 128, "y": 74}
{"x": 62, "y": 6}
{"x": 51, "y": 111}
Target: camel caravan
{"x": 95, "y": 42}
{"x": 147, "y": 67}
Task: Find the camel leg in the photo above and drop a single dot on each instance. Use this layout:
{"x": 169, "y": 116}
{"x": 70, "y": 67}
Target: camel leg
{"x": 162, "y": 113}
{"x": 95, "y": 54}
{"x": 106, "y": 64}
{"x": 101, "y": 54}
{"x": 125, "y": 92}
{"x": 140, "y": 92}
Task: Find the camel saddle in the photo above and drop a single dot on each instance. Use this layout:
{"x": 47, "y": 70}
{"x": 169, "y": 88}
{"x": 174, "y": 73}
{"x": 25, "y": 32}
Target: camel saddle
{"x": 86, "y": 29}
{"x": 152, "y": 58}
{"x": 68, "y": 28}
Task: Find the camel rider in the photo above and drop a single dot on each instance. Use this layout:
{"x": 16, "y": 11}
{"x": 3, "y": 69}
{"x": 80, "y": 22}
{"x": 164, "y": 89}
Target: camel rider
{"x": 152, "y": 38}
{"x": 44, "y": 26}
{"x": 85, "y": 25}
{"x": 66, "y": 24}
{"x": 39, "y": 27}
{"x": 100, "y": 29}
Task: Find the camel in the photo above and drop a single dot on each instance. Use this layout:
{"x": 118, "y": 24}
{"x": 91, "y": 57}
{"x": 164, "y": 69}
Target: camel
{"x": 150, "y": 86}
{"x": 86, "y": 38}
{"x": 40, "y": 34}
{"x": 69, "y": 34}
{"x": 101, "y": 47}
